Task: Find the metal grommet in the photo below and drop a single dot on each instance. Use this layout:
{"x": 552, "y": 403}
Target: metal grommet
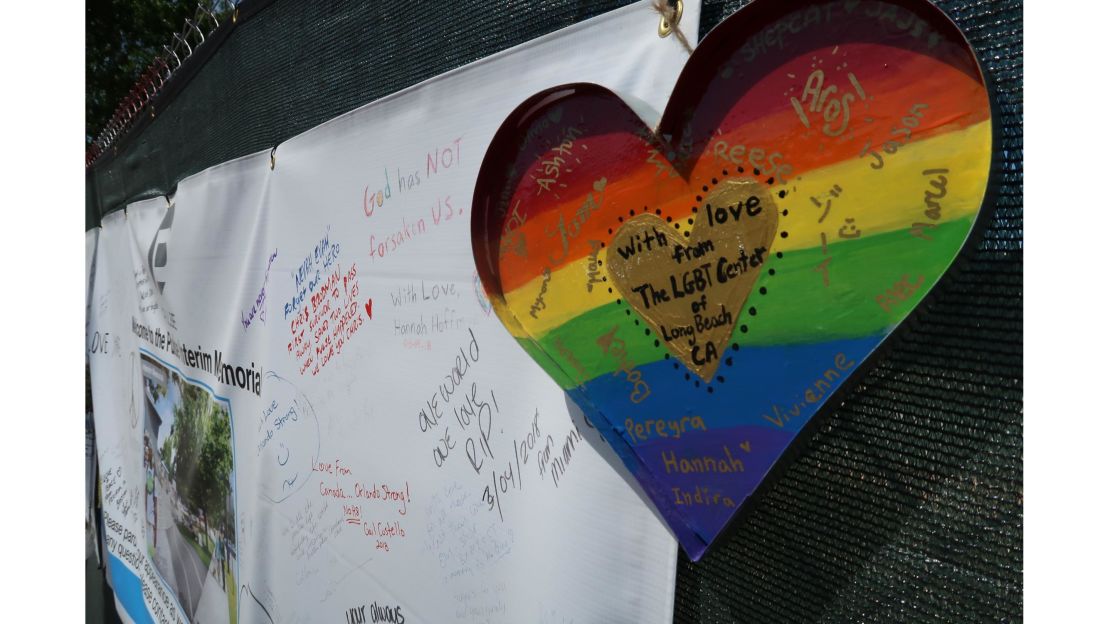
{"x": 665, "y": 27}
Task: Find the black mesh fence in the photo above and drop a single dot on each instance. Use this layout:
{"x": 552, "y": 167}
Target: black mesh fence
{"x": 904, "y": 506}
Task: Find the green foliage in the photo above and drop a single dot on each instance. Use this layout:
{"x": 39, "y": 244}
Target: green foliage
{"x": 202, "y": 460}
{"x": 215, "y": 466}
{"x": 189, "y": 425}
{"x": 122, "y": 37}
{"x": 168, "y": 448}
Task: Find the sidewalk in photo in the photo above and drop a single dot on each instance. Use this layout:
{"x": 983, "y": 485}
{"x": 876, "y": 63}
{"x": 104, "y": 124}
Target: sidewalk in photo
{"x": 212, "y": 607}
{"x": 163, "y": 557}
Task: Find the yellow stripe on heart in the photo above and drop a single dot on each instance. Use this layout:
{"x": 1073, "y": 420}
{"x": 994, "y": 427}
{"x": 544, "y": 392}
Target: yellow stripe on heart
{"x": 878, "y": 201}
{"x": 566, "y": 296}
{"x": 891, "y": 198}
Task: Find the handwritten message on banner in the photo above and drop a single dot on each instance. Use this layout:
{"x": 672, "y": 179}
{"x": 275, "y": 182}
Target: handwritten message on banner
{"x": 306, "y": 410}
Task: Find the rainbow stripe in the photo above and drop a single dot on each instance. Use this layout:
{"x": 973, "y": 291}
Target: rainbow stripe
{"x": 862, "y": 245}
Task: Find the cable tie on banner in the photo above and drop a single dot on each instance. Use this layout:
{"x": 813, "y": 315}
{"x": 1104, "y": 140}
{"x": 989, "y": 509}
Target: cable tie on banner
{"x": 273, "y": 157}
{"x": 669, "y": 18}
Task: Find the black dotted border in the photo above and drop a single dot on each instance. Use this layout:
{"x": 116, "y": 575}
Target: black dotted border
{"x": 752, "y": 311}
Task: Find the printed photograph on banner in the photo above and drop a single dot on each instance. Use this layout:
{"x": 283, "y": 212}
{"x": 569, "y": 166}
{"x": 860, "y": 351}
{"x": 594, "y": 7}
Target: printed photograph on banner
{"x": 189, "y": 491}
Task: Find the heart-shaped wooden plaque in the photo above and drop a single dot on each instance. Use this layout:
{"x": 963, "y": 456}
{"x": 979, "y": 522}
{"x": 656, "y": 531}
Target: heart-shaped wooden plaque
{"x": 703, "y": 289}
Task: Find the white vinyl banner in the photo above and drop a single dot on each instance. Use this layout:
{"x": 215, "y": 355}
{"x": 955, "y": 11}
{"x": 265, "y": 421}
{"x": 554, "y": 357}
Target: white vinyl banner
{"x": 305, "y": 409}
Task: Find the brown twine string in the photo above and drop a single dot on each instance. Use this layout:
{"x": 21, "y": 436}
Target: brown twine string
{"x": 668, "y": 13}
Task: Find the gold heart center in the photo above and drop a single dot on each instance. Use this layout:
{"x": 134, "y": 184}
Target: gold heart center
{"x": 691, "y": 289}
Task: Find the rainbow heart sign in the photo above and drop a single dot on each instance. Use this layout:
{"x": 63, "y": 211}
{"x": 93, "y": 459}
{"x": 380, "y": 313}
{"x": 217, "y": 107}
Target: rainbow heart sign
{"x": 701, "y": 290}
